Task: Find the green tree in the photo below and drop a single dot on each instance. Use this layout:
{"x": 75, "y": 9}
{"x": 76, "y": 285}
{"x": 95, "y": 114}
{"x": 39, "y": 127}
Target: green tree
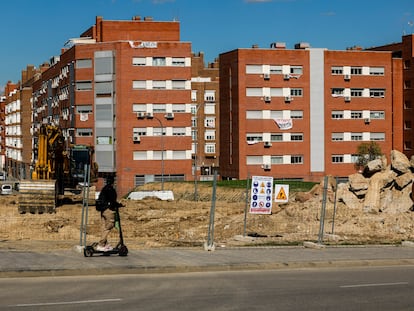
{"x": 367, "y": 152}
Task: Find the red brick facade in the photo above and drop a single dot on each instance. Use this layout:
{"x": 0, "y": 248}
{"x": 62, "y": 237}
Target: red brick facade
{"x": 330, "y": 101}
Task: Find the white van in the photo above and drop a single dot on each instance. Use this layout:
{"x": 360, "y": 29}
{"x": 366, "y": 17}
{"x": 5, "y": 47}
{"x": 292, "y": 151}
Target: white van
{"x": 3, "y": 175}
{"x": 6, "y": 189}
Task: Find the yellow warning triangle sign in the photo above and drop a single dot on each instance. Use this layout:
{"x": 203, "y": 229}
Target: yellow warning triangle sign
{"x": 281, "y": 195}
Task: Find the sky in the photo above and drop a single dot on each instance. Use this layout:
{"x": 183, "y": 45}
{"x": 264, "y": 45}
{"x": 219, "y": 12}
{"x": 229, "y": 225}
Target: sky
{"x": 32, "y": 31}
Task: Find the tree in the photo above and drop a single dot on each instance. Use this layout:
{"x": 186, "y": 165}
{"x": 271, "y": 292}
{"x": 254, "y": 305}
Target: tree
{"x": 367, "y": 152}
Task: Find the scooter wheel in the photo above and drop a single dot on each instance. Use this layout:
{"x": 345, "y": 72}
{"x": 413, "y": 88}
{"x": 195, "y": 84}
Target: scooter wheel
{"x": 88, "y": 251}
{"x": 123, "y": 251}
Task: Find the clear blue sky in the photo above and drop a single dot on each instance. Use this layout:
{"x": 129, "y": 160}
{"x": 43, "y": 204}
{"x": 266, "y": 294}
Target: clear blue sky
{"x": 31, "y": 31}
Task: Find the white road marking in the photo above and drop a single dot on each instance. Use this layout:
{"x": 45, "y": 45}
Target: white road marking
{"x": 65, "y": 303}
{"x": 374, "y": 285}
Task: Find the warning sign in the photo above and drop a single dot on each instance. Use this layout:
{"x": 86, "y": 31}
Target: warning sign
{"x": 281, "y": 193}
{"x": 261, "y": 195}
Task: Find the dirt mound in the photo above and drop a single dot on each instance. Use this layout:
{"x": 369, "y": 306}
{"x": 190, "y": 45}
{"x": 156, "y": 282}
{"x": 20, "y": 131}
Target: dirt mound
{"x": 153, "y": 223}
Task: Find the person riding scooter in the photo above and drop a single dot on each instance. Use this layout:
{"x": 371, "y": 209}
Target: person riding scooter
{"x": 109, "y": 203}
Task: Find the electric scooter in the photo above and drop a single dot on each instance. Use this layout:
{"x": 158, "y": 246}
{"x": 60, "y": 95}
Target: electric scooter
{"x": 119, "y": 249}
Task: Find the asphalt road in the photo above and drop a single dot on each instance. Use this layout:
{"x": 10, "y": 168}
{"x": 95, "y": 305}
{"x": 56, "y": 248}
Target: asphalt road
{"x": 369, "y": 288}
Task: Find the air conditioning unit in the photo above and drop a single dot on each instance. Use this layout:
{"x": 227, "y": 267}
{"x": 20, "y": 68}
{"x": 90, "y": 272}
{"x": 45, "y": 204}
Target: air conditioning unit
{"x": 140, "y": 115}
{"x": 267, "y": 99}
{"x": 266, "y": 76}
{"x": 288, "y": 99}
{"x": 267, "y": 167}
{"x": 149, "y": 115}
{"x": 136, "y": 138}
{"x": 169, "y": 116}
{"x": 286, "y": 76}
{"x": 347, "y": 77}
{"x": 347, "y": 98}
{"x": 367, "y": 120}
{"x": 267, "y": 144}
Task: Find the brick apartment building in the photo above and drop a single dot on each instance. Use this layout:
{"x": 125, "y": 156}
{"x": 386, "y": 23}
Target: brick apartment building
{"x": 16, "y": 143}
{"x": 301, "y": 113}
{"x": 205, "y": 117}
{"x": 123, "y": 87}
{"x": 405, "y": 51}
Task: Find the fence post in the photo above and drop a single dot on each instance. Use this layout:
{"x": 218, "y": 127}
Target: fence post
{"x": 323, "y": 209}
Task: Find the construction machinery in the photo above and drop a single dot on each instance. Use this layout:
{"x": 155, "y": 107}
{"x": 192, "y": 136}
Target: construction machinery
{"x": 58, "y": 170}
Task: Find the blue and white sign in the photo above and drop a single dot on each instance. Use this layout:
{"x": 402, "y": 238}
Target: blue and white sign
{"x": 261, "y": 195}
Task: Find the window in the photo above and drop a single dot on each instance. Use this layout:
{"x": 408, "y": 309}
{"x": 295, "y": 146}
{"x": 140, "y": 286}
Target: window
{"x": 254, "y": 69}
{"x": 139, "y": 84}
{"x": 158, "y": 61}
{"x": 158, "y": 131}
{"x": 296, "y": 70}
{"x": 356, "y": 136}
{"x": 376, "y": 71}
{"x": 407, "y": 84}
{"x": 209, "y": 108}
{"x": 356, "y": 71}
{"x": 377, "y": 93}
{"x": 140, "y": 131}
{"x": 210, "y": 148}
{"x": 139, "y": 107}
{"x": 210, "y": 96}
{"x": 84, "y": 109}
{"x": 210, "y": 135}
{"x": 276, "y": 137}
{"x": 178, "y": 107}
{"x": 104, "y": 65}
{"x": 356, "y": 114}
{"x": 139, "y": 61}
{"x": 337, "y": 158}
{"x": 83, "y": 63}
{"x": 193, "y": 122}
{"x": 296, "y": 159}
{"x": 296, "y": 137}
{"x": 178, "y": 84}
{"x": 377, "y": 136}
{"x": 296, "y": 114}
{"x": 158, "y": 108}
{"x": 274, "y": 69}
{"x": 193, "y": 95}
{"x": 407, "y": 104}
{"x": 337, "y": 114}
{"x": 296, "y": 92}
{"x": 337, "y": 136}
{"x": 407, "y": 145}
{"x": 210, "y": 122}
{"x": 407, "y": 64}
{"x": 377, "y": 115}
{"x": 178, "y": 61}
{"x": 194, "y": 135}
{"x": 159, "y": 85}
{"x": 357, "y": 92}
{"x": 178, "y": 131}
{"x": 407, "y": 125}
{"x": 276, "y": 160}
{"x": 335, "y": 70}
{"x": 103, "y": 88}
{"x": 83, "y": 85}
{"x": 254, "y": 137}
{"x": 337, "y": 92}
{"x": 83, "y": 132}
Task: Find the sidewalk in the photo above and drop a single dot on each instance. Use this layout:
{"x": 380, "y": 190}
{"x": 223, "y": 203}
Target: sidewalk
{"x": 17, "y": 263}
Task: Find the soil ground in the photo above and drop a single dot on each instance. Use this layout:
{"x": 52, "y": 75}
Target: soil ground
{"x": 183, "y": 222}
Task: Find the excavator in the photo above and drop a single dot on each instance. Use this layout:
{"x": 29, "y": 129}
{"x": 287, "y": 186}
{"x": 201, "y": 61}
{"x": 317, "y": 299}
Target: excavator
{"x": 58, "y": 169}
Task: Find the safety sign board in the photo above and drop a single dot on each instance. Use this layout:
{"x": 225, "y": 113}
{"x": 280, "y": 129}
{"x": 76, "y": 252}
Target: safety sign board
{"x": 261, "y": 195}
{"x": 281, "y": 193}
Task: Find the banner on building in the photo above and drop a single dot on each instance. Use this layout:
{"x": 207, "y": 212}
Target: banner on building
{"x": 284, "y": 124}
{"x": 261, "y": 195}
